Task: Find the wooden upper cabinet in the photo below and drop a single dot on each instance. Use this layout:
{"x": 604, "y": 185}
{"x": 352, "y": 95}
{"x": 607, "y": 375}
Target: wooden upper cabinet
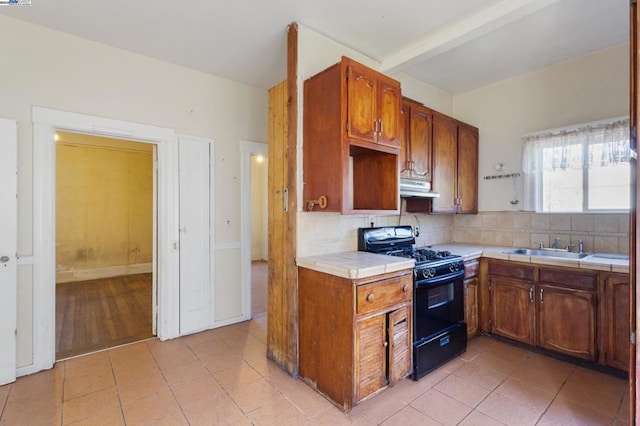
{"x": 455, "y": 166}
{"x": 389, "y": 100}
{"x": 445, "y": 164}
{"x": 444, "y": 151}
{"x": 416, "y": 147}
{"x": 362, "y": 101}
{"x": 351, "y": 141}
{"x": 373, "y": 106}
{"x": 467, "y": 169}
{"x": 405, "y": 123}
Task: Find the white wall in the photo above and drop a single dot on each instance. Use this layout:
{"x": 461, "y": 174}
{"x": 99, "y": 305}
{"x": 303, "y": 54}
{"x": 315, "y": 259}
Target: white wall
{"x": 55, "y": 70}
{"x": 588, "y": 88}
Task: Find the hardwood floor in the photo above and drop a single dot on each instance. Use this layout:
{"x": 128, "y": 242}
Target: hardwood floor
{"x": 99, "y": 314}
{"x": 259, "y": 278}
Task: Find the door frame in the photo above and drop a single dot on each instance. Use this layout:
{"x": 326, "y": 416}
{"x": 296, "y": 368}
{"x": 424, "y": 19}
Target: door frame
{"x": 249, "y": 149}
{"x": 634, "y": 293}
{"x": 45, "y": 123}
{"x": 8, "y": 249}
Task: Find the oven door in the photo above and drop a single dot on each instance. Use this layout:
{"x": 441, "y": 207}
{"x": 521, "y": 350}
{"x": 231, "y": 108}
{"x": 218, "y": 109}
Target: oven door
{"x": 437, "y": 306}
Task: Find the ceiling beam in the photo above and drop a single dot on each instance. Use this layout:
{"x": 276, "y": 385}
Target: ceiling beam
{"x": 462, "y": 31}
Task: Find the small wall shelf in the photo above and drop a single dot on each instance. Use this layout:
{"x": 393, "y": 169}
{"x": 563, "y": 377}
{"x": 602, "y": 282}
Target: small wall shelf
{"x": 508, "y": 175}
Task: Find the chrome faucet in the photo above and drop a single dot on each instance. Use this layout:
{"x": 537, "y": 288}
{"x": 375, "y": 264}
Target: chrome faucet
{"x": 555, "y": 243}
{"x": 580, "y": 246}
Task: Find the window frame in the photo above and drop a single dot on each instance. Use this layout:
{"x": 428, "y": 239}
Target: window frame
{"x": 537, "y": 185}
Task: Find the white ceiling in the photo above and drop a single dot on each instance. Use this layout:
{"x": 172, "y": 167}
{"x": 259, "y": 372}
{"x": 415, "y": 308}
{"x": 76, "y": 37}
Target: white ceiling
{"x": 455, "y": 45}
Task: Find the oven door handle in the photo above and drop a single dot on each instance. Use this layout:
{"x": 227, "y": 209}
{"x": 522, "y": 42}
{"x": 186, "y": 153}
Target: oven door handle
{"x": 437, "y": 280}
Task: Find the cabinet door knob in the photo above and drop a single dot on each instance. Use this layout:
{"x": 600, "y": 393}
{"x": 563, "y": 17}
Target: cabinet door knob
{"x": 370, "y": 297}
{"x": 405, "y": 288}
{"x": 385, "y": 344}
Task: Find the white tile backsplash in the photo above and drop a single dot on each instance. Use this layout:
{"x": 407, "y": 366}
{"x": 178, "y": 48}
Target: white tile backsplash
{"x": 521, "y": 221}
{"x": 541, "y": 222}
{"x": 322, "y": 233}
{"x": 582, "y": 222}
{"x": 560, "y": 222}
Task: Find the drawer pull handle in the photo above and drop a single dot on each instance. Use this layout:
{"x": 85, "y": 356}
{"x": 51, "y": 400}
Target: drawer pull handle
{"x": 370, "y": 297}
{"x": 405, "y": 288}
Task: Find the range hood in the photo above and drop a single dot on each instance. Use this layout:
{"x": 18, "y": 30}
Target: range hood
{"x": 416, "y": 188}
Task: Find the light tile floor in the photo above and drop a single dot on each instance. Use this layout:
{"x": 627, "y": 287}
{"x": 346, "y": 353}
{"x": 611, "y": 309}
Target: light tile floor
{"x": 222, "y": 376}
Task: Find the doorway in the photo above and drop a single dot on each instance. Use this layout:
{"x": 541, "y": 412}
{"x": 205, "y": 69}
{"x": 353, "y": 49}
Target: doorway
{"x": 255, "y": 229}
{"x": 259, "y": 223}
{"x": 41, "y": 342}
{"x": 105, "y": 234}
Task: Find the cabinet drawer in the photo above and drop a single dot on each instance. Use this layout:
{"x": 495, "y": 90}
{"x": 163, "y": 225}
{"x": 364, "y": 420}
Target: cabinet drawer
{"x": 471, "y": 268}
{"x": 377, "y": 295}
{"x": 522, "y": 272}
{"x": 569, "y": 278}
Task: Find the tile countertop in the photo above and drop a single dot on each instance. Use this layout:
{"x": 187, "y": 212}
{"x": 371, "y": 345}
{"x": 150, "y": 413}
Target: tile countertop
{"x": 355, "y": 264}
{"x": 470, "y": 251}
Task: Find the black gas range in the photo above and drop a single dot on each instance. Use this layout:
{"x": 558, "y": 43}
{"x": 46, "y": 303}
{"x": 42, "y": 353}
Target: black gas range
{"x": 439, "y": 330}
{"x": 431, "y": 265}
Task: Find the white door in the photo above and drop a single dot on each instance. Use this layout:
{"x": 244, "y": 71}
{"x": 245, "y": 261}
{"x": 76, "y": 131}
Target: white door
{"x": 195, "y": 238}
{"x": 8, "y": 249}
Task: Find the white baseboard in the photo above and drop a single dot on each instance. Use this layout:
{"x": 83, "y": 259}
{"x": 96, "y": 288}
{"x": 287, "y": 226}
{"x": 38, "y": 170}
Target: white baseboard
{"x": 106, "y": 272}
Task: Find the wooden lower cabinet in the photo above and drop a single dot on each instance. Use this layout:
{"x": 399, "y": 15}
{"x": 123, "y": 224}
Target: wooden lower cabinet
{"x": 355, "y": 335}
{"x": 616, "y": 314}
{"x": 566, "y": 300}
{"x": 552, "y": 308}
{"x": 567, "y": 321}
{"x": 382, "y": 341}
{"x": 512, "y": 309}
{"x": 371, "y": 355}
{"x": 400, "y": 339}
{"x": 471, "y": 301}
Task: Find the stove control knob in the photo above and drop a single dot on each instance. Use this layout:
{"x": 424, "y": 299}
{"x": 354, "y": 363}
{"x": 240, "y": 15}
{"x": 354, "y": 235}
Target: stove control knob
{"x": 432, "y": 272}
{"x": 426, "y": 273}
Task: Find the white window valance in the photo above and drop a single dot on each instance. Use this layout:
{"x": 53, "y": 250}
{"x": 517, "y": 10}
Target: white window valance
{"x": 556, "y": 149}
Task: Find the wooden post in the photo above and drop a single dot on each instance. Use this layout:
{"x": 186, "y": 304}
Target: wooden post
{"x": 282, "y": 320}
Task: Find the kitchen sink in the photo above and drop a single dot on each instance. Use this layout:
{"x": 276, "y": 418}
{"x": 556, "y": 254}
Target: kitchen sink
{"x": 615, "y": 256}
{"x": 563, "y": 254}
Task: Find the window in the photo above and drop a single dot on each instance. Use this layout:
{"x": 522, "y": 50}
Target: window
{"x": 579, "y": 169}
